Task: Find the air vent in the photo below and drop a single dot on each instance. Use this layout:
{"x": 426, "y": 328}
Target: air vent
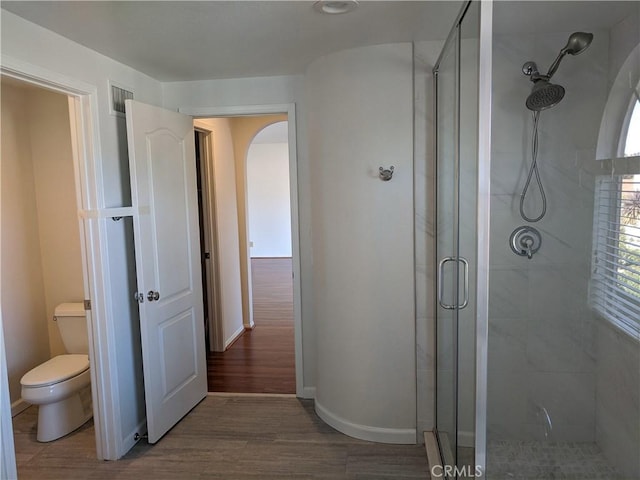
{"x": 118, "y": 96}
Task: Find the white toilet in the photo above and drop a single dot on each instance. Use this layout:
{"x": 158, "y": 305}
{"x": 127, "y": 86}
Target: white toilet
{"x": 61, "y": 387}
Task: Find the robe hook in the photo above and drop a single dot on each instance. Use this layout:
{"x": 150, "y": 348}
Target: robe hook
{"x": 385, "y": 173}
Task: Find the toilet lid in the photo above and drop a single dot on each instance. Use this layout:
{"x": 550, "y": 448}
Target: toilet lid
{"x": 56, "y": 370}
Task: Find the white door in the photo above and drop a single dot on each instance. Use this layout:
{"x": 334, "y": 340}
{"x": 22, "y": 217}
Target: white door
{"x": 167, "y": 243}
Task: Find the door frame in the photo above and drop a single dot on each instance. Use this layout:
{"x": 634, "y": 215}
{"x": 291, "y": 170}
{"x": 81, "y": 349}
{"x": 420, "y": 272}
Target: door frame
{"x": 83, "y": 106}
{"x": 290, "y": 110}
{"x": 210, "y": 234}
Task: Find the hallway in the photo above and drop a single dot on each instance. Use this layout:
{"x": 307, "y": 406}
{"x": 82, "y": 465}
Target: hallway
{"x": 262, "y": 360}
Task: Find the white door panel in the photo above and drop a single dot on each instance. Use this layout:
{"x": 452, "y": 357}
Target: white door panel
{"x": 163, "y": 184}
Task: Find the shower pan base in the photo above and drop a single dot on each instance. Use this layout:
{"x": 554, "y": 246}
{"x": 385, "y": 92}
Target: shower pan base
{"x": 548, "y": 460}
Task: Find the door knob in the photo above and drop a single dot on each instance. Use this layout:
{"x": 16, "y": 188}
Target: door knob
{"x": 151, "y": 296}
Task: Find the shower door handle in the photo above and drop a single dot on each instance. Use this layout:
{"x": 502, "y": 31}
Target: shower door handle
{"x": 446, "y": 306}
{"x": 465, "y": 295}
{"x": 465, "y": 290}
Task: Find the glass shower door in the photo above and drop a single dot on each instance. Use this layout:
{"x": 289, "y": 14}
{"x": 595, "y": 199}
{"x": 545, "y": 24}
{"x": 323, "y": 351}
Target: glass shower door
{"x": 456, "y": 241}
{"x": 446, "y": 250}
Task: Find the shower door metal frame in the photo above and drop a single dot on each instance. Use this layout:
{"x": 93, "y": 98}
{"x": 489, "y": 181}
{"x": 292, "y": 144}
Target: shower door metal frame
{"x": 482, "y": 212}
{"x": 484, "y": 223}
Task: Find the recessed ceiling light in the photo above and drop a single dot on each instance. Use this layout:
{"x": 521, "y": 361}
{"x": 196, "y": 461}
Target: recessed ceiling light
{"x": 335, "y": 7}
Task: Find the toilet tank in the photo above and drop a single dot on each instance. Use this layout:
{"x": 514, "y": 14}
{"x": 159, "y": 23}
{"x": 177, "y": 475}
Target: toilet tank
{"x": 72, "y": 324}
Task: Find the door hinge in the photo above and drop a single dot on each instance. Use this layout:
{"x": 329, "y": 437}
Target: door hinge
{"x": 87, "y": 305}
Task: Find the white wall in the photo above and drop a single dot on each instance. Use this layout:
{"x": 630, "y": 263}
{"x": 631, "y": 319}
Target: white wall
{"x": 27, "y": 46}
{"x": 360, "y": 117}
{"x": 23, "y": 295}
{"x": 232, "y": 92}
{"x": 56, "y": 200}
{"x": 223, "y": 181}
{"x": 268, "y": 199}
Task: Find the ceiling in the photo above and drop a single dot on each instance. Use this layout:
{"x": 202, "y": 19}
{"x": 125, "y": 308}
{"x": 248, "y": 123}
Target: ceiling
{"x": 525, "y": 17}
{"x": 197, "y": 40}
{"x": 183, "y": 40}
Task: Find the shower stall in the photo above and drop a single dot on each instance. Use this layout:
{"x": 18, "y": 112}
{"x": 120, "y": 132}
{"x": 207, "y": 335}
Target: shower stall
{"x": 535, "y": 281}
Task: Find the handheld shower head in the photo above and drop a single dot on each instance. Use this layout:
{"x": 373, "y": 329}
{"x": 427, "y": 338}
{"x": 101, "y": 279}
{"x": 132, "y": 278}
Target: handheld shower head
{"x": 544, "y": 93}
{"x": 576, "y": 44}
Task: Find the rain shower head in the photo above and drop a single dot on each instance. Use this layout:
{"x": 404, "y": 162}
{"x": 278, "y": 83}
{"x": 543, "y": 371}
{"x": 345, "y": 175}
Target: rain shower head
{"x": 544, "y": 93}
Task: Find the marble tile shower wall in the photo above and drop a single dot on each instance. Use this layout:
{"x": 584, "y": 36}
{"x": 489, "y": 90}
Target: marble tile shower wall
{"x": 425, "y": 55}
{"x": 541, "y": 330}
{"x": 618, "y": 399}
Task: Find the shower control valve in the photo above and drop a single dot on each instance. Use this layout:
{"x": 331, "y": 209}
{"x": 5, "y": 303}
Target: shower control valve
{"x": 525, "y": 241}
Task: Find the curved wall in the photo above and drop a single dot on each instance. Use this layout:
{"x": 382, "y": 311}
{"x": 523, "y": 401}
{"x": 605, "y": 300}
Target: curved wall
{"x": 360, "y": 111}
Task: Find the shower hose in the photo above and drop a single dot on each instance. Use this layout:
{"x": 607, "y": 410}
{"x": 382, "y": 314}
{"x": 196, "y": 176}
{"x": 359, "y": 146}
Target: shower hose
{"x": 533, "y": 169}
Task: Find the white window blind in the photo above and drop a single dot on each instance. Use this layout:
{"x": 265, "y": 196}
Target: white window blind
{"x": 615, "y": 281}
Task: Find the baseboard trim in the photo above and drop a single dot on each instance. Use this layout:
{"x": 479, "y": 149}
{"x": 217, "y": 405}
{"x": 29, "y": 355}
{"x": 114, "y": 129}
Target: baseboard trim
{"x": 308, "y": 393}
{"x": 19, "y": 406}
{"x": 241, "y": 394}
{"x": 235, "y": 336}
{"x": 272, "y": 258}
{"x": 403, "y": 436}
{"x": 130, "y": 440}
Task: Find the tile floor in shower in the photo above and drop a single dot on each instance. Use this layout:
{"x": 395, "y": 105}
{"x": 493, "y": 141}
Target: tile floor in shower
{"x": 548, "y": 461}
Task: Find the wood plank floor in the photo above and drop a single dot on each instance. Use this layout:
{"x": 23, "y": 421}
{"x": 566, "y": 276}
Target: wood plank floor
{"x": 262, "y": 360}
{"x": 225, "y": 437}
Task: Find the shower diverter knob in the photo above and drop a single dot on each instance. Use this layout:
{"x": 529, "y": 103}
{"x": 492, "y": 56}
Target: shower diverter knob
{"x": 525, "y": 241}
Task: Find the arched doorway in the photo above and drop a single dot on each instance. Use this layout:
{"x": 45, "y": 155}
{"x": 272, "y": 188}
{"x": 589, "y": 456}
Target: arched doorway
{"x": 262, "y": 358}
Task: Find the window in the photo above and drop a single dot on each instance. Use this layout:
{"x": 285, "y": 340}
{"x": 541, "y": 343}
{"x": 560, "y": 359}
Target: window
{"x": 632, "y": 144}
{"x": 615, "y": 281}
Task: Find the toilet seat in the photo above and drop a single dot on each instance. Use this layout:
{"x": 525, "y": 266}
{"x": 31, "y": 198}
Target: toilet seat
{"x": 56, "y": 370}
